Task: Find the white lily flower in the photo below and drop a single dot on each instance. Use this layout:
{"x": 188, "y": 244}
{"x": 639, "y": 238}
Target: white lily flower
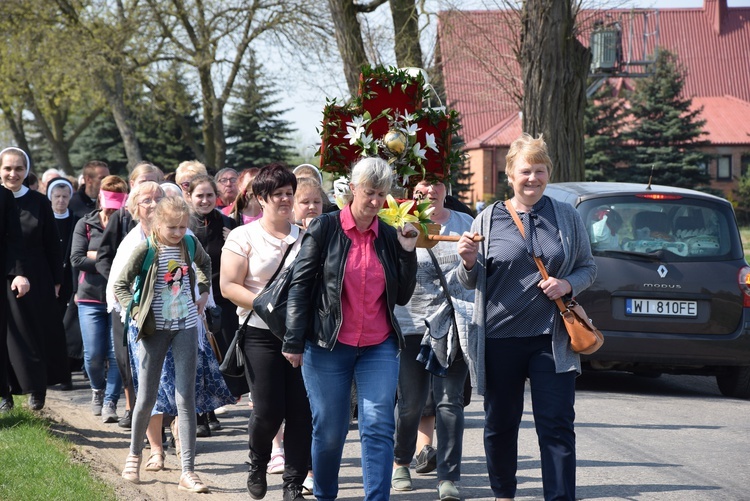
{"x": 408, "y": 117}
{"x": 353, "y": 134}
{"x": 366, "y": 141}
{"x": 357, "y": 122}
{"x": 411, "y": 129}
{"x": 418, "y": 152}
{"x": 430, "y": 140}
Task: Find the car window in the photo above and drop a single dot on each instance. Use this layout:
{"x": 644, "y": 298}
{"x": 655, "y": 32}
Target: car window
{"x": 683, "y": 228}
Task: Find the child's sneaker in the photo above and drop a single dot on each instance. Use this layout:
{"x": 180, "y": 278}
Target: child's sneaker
{"x": 276, "y": 465}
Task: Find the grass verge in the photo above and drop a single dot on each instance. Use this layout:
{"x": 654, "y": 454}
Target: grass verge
{"x": 37, "y": 465}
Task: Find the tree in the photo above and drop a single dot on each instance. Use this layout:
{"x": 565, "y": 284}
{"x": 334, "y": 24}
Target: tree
{"x": 665, "y": 134}
{"x": 39, "y": 69}
{"x": 212, "y": 38}
{"x": 350, "y": 42}
{"x": 111, "y": 37}
{"x": 603, "y": 121}
{"x": 555, "y": 67}
{"x": 256, "y": 135}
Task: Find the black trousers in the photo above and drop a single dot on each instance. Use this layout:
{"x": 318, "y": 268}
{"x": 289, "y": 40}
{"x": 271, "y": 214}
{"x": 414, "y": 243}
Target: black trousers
{"x": 509, "y": 363}
{"x": 278, "y": 394}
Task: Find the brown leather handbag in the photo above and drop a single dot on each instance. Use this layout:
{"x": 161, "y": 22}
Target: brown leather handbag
{"x": 585, "y": 338}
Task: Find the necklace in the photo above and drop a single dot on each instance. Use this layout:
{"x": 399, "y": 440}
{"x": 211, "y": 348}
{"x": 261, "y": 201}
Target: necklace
{"x": 276, "y": 233}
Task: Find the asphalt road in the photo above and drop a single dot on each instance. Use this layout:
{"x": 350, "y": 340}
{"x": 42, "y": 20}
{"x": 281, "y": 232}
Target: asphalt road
{"x": 667, "y": 438}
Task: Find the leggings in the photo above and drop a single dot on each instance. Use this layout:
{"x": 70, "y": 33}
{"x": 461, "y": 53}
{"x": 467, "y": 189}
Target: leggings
{"x": 151, "y": 353}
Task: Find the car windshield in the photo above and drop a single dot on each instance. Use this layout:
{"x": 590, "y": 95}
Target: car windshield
{"x": 672, "y": 229}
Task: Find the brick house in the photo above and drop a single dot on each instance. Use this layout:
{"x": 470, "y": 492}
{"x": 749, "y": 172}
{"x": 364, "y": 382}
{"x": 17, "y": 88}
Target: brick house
{"x": 482, "y": 79}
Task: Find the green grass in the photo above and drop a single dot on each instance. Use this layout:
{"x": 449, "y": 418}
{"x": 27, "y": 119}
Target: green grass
{"x": 36, "y": 465}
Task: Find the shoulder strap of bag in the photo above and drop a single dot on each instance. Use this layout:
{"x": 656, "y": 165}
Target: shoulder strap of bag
{"x": 275, "y": 274}
{"x": 537, "y": 260}
{"x": 443, "y": 283}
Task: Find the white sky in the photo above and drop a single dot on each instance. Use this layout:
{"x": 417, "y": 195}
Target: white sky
{"x": 306, "y": 100}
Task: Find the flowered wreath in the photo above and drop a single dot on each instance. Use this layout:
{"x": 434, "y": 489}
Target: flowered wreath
{"x": 387, "y": 119}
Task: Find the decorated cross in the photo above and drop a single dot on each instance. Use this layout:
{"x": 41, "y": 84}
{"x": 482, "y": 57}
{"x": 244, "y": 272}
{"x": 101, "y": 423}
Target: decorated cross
{"x": 387, "y": 119}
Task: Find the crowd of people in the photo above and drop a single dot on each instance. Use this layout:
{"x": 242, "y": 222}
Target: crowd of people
{"x": 145, "y": 281}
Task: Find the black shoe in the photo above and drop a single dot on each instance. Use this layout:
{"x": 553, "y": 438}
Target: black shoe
{"x": 202, "y": 430}
{"x": 426, "y": 460}
{"x": 6, "y": 405}
{"x": 257, "y": 484}
{"x": 36, "y": 401}
{"x": 213, "y": 423}
{"x": 293, "y": 492}
{"x": 126, "y": 420}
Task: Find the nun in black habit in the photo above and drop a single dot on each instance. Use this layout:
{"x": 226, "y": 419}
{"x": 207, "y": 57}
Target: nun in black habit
{"x": 35, "y": 334}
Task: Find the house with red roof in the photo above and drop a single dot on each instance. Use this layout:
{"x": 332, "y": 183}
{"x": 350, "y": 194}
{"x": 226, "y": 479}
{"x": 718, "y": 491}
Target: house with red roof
{"x": 482, "y": 78}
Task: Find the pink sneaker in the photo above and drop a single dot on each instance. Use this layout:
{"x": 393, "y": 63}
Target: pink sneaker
{"x": 276, "y": 465}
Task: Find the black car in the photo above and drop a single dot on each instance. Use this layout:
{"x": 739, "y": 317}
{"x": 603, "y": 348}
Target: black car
{"x": 672, "y": 292}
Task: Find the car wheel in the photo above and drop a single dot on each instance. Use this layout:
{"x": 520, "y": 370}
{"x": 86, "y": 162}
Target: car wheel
{"x": 735, "y": 382}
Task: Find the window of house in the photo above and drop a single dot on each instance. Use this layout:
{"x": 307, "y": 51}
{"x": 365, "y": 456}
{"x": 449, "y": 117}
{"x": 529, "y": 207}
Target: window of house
{"x": 724, "y": 168}
{"x": 744, "y": 164}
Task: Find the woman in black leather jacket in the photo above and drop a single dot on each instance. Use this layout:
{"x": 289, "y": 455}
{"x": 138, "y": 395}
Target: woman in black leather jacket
{"x": 351, "y": 271}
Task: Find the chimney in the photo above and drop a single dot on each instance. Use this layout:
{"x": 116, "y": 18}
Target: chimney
{"x": 717, "y": 8}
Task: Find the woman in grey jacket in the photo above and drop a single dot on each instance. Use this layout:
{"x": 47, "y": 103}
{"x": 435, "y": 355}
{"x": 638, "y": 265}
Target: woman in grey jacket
{"x": 518, "y": 333}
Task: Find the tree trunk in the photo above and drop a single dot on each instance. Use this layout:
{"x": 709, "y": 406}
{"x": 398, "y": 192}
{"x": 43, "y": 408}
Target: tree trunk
{"x": 406, "y": 33}
{"x": 210, "y": 131}
{"x": 555, "y": 66}
{"x": 123, "y": 119}
{"x": 349, "y": 40}
{"x": 14, "y": 119}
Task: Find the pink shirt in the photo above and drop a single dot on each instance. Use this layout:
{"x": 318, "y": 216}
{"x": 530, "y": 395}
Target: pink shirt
{"x": 364, "y": 306}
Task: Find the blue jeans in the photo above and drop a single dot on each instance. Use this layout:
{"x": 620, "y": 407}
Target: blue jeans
{"x": 328, "y": 378}
{"x": 509, "y": 362}
{"x": 98, "y": 350}
{"x": 448, "y": 392}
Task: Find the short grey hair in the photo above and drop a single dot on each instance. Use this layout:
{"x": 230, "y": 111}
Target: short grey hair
{"x": 373, "y": 172}
{"x": 224, "y": 171}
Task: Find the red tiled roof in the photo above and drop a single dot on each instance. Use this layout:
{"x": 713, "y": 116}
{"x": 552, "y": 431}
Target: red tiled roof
{"x": 727, "y": 119}
{"x": 502, "y": 134}
{"x": 482, "y": 76}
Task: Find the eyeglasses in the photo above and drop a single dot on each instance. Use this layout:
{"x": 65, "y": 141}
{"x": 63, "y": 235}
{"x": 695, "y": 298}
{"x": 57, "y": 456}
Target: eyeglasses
{"x": 185, "y": 185}
{"x": 149, "y": 201}
{"x": 228, "y": 180}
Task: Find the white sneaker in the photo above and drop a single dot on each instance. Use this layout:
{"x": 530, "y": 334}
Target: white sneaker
{"x": 307, "y": 486}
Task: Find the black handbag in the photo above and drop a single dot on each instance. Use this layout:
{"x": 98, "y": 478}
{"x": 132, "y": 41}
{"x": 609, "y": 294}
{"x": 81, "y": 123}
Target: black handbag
{"x": 233, "y": 365}
{"x": 270, "y": 303}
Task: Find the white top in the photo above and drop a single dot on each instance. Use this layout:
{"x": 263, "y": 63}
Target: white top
{"x": 263, "y": 252}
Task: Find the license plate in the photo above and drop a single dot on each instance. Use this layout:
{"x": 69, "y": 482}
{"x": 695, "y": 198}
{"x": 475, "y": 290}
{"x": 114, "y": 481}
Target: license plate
{"x": 661, "y": 307}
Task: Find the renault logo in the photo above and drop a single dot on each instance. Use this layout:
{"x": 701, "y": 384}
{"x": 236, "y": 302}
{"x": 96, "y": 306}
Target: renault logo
{"x": 662, "y": 271}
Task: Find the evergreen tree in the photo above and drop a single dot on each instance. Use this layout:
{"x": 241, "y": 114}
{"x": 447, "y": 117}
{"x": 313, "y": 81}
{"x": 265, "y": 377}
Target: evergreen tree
{"x": 256, "y": 135}
{"x": 100, "y": 141}
{"x": 602, "y": 123}
{"x": 665, "y": 133}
